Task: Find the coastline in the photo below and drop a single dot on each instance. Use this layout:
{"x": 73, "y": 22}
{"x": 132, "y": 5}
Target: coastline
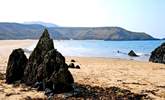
{"x": 136, "y": 76}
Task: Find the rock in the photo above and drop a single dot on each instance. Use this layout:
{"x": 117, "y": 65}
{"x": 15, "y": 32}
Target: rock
{"x": 48, "y": 91}
{"x": 62, "y": 81}
{"x": 16, "y": 65}
{"x": 73, "y": 60}
{"x": 158, "y": 55}
{"x": 44, "y": 45}
{"x": 77, "y": 66}
{"x": 39, "y": 86}
{"x": 56, "y": 75}
{"x": 71, "y": 65}
{"x": 132, "y": 54}
{"x": 46, "y": 68}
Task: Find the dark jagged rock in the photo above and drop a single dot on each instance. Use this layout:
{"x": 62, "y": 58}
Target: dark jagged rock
{"x": 16, "y": 65}
{"x": 62, "y": 81}
{"x": 56, "y": 75}
{"x": 44, "y": 45}
{"x": 132, "y": 54}
{"x": 158, "y": 55}
{"x": 46, "y": 68}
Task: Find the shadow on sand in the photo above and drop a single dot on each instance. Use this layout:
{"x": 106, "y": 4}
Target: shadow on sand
{"x": 87, "y": 92}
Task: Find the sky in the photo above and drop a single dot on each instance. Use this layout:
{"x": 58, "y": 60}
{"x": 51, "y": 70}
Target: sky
{"x": 135, "y": 15}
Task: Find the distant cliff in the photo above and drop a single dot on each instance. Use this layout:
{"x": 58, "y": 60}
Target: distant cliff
{"x": 33, "y": 31}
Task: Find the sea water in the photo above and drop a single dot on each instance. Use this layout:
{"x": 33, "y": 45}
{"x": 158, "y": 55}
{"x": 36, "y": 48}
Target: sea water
{"x": 101, "y": 48}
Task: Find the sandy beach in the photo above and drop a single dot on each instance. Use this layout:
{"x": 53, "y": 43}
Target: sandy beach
{"x": 138, "y": 77}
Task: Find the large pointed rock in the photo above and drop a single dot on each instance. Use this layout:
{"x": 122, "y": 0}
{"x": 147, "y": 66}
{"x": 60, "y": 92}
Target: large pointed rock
{"x": 158, "y": 55}
{"x": 44, "y": 45}
{"x": 46, "y": 68}
{"x": 16, "y": 65}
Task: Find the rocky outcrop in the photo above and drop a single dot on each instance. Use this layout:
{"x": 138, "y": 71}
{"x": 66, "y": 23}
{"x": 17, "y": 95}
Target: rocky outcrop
{"x": 132, "y": 54}
{"x": 54, "y": 73}
{"x": 158, "y": 55}
{"x": 45, "y": 69}
{"x": 44, "y": 45}
{"x": 16, "y": 65}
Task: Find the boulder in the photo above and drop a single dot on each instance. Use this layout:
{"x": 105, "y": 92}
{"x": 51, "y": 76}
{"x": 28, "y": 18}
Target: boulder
{"x": 77, "y": 66}
{"x": 158, "y": 55}
{"x": 56, "y": 75}
{"x": 71, "y": 65}
{"x": 44, "y": 45}
{"x": 132, "y": 54}
{"x": 73, "y": 60}
{"x": 16, "y": 65}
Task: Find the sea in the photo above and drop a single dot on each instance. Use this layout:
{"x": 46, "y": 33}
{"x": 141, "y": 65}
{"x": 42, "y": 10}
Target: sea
{"x": 107, "y": 49}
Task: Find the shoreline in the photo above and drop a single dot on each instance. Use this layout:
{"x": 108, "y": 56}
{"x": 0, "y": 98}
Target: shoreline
{"x": 136, "y": 76}
{"x": 127, "y": 59}
{"x": 85, "y": 49}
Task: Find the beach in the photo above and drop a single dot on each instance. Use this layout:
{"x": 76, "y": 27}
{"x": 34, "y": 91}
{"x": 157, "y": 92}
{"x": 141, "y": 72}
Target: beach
{"x": 136, "y": 76}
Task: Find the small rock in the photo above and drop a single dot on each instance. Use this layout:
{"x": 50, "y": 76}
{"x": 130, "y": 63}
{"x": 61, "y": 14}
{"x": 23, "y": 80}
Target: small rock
{"x": 77, "y": 66}
{"x": 132, "y": 54}
{"x": 39, "y": 86}
{"x": 48, "y": 91}
{"x": 73, "y": 60}
{"x": 71, "y": 65}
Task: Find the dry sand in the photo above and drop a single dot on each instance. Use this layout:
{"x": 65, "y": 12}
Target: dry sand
{"x": 139, "y": 77}
{"x": 6, "y": 47}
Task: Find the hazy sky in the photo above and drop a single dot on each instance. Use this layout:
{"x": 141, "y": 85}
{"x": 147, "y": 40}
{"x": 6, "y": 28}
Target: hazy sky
{"x": 135, "y": 15}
